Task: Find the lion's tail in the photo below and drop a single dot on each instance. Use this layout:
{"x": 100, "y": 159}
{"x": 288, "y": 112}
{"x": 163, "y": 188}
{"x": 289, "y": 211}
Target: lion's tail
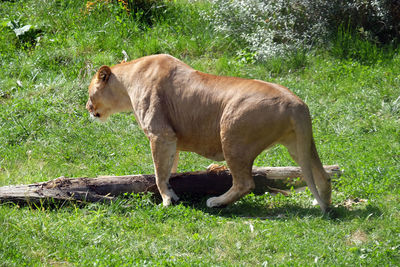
{"x": 305, "y": 148}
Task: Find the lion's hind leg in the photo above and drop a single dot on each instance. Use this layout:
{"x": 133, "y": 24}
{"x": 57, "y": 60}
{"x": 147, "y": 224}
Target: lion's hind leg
{"x": 242, "y": 179}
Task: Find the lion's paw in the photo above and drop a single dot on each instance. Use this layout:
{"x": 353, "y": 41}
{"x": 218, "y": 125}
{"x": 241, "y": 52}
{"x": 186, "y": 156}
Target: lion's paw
{"x": 213, "y": 202}
{"x": 215, "y": 168}
{"x": 167, "y": 202}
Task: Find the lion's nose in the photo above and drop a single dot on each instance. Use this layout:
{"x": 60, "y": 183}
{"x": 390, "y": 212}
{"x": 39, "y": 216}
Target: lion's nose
{"x": 89, "y": 105}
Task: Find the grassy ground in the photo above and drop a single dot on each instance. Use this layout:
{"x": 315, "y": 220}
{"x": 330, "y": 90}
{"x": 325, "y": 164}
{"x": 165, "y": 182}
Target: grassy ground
{"x": 45, "y": 133}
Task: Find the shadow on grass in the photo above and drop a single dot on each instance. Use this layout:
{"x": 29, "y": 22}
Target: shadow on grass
{"x": 242, "y": 209}
{"x": 289, "y": 211}
{"x": 256, "y": 210}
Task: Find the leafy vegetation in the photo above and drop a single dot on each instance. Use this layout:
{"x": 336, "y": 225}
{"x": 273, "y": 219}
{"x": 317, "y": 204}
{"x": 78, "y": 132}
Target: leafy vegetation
{"x": 45, "y": 132}
{"x": 278, "y": 27}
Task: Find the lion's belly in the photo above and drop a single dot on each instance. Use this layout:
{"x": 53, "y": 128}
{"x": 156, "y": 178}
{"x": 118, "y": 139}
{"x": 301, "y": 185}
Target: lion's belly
{"x": 210, "y": 148}
{"x": 217, "y": 156}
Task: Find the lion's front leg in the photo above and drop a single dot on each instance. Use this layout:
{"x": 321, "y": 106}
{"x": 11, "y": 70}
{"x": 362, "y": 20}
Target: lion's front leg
{"x": 175, "y": 164}
{"x": 163, "y": 149}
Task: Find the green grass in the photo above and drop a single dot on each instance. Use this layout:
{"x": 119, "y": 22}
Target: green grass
{"x": 45, "y": 132}
{"x": 137, "y": 232}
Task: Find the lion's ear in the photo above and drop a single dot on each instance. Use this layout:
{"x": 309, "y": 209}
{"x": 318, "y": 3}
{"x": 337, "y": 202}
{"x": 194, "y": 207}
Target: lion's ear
{"x": 104, "y": 73}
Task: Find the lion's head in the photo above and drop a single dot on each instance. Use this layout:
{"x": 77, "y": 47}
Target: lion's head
{"x": 106, "y": 95}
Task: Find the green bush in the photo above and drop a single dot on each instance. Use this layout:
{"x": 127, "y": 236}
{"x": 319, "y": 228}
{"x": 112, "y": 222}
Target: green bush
{"x": 271, "y": 28}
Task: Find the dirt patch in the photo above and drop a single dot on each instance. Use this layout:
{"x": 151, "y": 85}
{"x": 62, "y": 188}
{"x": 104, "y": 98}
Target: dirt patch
{"x": 359, "y": 237}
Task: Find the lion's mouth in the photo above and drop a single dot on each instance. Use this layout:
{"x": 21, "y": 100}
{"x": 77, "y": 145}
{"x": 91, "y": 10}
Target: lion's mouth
{"x": 94, "y": 116}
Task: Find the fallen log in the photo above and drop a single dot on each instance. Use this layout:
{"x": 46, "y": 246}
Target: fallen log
{"x": 215, "y": 181}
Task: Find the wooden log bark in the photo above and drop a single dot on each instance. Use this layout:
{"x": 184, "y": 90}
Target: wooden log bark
{"x": 215, "y": 181}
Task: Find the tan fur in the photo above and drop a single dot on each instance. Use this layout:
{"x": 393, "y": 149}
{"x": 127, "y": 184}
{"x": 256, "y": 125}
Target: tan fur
{"x": 221, "y": 118}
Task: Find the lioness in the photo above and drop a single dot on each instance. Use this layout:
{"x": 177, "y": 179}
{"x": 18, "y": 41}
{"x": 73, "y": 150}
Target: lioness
{"x": 221, "y": 118}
